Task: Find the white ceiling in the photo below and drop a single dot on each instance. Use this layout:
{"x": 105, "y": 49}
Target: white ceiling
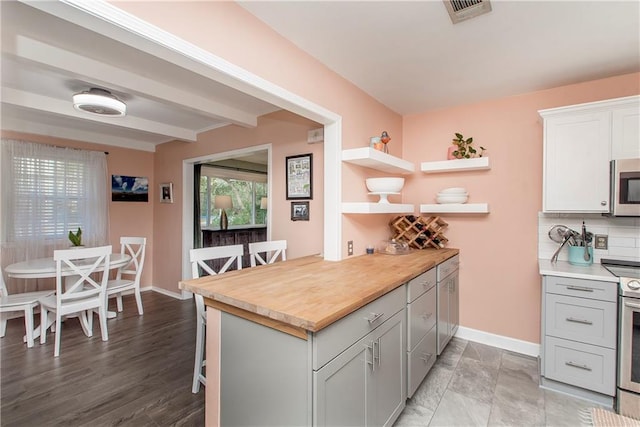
{"x": 410, "y": 57}
{"x": 45, "y": 60}
{"x": 407, "y": 55}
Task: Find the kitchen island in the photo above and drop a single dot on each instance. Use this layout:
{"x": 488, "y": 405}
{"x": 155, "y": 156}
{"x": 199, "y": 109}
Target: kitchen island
{"x": 309, "y": 341}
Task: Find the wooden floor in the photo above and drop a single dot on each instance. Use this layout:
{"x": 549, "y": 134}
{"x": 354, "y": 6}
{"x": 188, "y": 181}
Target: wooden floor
{"x": 140, "y": 377}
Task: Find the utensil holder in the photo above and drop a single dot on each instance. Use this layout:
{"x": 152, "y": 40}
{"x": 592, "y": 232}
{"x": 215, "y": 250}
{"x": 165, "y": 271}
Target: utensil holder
{"x": 576, "y": 255}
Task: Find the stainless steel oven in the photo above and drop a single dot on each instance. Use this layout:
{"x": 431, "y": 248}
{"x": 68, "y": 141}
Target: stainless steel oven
{"x": 628, "y": 384}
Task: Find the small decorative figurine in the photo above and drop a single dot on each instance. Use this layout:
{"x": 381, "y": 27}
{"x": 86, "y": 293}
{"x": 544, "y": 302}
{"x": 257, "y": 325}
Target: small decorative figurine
{"x": 385, "y": 138}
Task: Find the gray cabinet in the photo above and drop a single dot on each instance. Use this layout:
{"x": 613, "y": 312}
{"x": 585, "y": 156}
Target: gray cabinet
{"x": 351, "y": 373}
{"x": 448, "y": 297}
{"x": 421, "y": 328}
{"x": 579, "y": 333}
{"x": 364, "y": 384}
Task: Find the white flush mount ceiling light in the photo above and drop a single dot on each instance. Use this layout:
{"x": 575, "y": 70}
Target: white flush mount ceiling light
{"x": 100, "y": 102}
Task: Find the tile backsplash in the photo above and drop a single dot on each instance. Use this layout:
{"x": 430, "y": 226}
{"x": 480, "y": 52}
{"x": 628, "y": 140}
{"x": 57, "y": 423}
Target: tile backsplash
{"x": 624, "y": 235}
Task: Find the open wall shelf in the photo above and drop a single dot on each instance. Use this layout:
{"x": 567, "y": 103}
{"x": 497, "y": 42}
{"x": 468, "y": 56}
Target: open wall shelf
{"x": 456, "y": 208}
{"x": 458, "y": 165}
{"x": 375, "y": 159}
{"x": 376, "y": 208}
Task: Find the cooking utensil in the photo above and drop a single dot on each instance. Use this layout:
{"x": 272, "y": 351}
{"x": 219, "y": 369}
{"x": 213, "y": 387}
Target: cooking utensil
{"x": 587, "y": 257}
{"x": 568, "y": 235}
{"x": 557, "y": 233}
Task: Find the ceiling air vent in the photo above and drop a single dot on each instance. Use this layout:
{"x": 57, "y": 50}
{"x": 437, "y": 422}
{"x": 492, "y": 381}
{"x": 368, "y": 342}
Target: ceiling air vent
{"x": 461, "y": 10}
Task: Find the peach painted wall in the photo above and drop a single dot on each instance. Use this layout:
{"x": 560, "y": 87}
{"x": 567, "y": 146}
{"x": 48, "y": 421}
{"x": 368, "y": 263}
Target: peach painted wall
{"x": 125, "y": 219}
{"x": 229, "y": 31}
{"x": 288, "y": 135}
{"x": 499, "y": 281}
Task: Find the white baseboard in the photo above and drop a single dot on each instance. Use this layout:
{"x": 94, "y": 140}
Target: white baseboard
{"x": 176, "y": 295}
{"x": 500, "y": 341}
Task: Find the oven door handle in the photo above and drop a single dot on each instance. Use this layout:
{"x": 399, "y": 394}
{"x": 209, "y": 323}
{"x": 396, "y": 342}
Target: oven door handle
{"x": 632, "y": 305}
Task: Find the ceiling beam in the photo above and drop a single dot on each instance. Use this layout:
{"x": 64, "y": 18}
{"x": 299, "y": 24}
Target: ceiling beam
{"x": 73, "y": 64}
{"x": 47, "y": 104}
{"x": 33, "y": 127}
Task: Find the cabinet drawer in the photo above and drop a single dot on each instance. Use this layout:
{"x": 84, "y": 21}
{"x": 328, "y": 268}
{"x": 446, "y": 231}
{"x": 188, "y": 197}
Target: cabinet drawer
{"x": 592, "y": 289}
{"x": 446, "y": 268}
{"x": 330, "y": 341}
{"x": 420, "y": 360}
{"x": 580, "y": 319}
{"x": 582, "y": 365}
{"x": 422, "y": 317}
{"x": 419, "y": 285}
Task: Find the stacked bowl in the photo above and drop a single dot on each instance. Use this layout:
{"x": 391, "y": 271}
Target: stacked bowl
{"x": 452, "y": 195}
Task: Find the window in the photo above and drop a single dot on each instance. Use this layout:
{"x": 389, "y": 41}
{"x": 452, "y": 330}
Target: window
{"x": 48, "y": 191}
{"x": 246, "y": 190}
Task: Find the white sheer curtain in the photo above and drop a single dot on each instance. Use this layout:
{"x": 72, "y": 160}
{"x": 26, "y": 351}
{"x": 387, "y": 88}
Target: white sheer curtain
{"x": 46, "y": 191}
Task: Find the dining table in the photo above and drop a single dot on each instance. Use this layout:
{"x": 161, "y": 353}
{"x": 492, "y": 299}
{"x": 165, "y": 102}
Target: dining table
{"x": 39, "y": 268}
{"x": 46, "y": 267}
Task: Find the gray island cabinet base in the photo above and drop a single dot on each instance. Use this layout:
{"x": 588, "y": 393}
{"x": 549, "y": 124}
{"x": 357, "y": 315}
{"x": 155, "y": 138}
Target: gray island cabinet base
{"x": 310, "y": 342}
{"x": 350, "y": 373}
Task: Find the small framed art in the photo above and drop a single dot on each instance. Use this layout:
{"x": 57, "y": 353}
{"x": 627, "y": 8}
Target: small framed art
{"x": 299, "y": 211}
{"x": 166, "y": 192}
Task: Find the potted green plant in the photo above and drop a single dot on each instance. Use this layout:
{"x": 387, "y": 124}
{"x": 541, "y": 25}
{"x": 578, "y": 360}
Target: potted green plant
{"x": 464, "y": 148}
{"x": 75, "y": 238}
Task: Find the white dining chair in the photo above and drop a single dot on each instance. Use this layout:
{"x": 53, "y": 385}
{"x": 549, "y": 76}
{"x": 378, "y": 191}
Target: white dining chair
{"x": 25, "y": 302}
{"x": 199, "y": 258}
{"x": 272, "y": 250}
{"x": 77, "y": 291}
{"x": 134, "y": 247}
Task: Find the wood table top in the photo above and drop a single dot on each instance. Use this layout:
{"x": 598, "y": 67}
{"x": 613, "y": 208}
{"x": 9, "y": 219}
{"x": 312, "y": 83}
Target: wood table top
{"x": 310, "y": 293}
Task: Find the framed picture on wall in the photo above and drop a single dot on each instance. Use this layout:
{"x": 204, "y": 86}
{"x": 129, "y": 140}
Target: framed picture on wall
{"x": 299, "y": 211}
{"x": 129, "y": 188}
{"x": 299, "y": 176}
{"x": 166, "y": 192}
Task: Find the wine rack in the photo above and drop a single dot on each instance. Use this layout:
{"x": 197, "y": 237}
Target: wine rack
{"x": 419, "y": 232}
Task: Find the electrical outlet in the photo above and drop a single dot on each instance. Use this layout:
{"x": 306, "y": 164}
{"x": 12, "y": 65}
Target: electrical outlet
{"x": 601, "y": 241}
{"x": 350, "y": 248}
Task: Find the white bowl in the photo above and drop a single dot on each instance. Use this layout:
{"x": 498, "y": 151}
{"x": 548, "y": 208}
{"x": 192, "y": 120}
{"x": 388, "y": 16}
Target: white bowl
{"x": 443, "y": 200}
{"x": 454, "y": 190}
{"x": 451, "y": 194}
{"x": 385, "y": 185}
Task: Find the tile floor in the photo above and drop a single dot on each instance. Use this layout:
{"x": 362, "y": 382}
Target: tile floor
{"x": 474, "y": 384}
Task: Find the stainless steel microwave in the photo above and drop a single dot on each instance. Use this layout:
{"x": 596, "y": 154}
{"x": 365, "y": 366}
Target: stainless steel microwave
{"x": 625, "y": 187}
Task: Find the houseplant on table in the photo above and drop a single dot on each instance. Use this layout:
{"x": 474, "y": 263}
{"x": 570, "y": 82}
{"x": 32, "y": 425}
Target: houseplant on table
{"x": 76, "y": 238}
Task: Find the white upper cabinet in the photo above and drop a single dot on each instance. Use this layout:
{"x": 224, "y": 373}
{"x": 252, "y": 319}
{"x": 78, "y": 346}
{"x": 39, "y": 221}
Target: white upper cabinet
{"x": 576, "y": 162}
{"x": 625, "y": 137}
{"x": 579, "y": 142}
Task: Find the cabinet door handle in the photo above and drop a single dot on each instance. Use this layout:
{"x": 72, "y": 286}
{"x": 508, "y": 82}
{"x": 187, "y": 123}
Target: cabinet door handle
{"x": 374, "y": 317}
{"x": 577, "y": 365}
{"x": 426, "y": 357}
{"x": 377, "y": 343}
{"x": 426, "y": 283}
{"x": 579, "y": 288}
{"x": 584, "y": 322}
{"x": 366, "y": 358}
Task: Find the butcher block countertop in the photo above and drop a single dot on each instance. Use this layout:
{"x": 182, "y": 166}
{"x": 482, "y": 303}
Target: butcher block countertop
{"x": 307, "y": 294}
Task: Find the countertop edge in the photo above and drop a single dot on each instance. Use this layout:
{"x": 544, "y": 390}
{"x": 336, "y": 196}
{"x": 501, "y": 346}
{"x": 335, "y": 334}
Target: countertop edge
{"x": 564, "y": 269}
